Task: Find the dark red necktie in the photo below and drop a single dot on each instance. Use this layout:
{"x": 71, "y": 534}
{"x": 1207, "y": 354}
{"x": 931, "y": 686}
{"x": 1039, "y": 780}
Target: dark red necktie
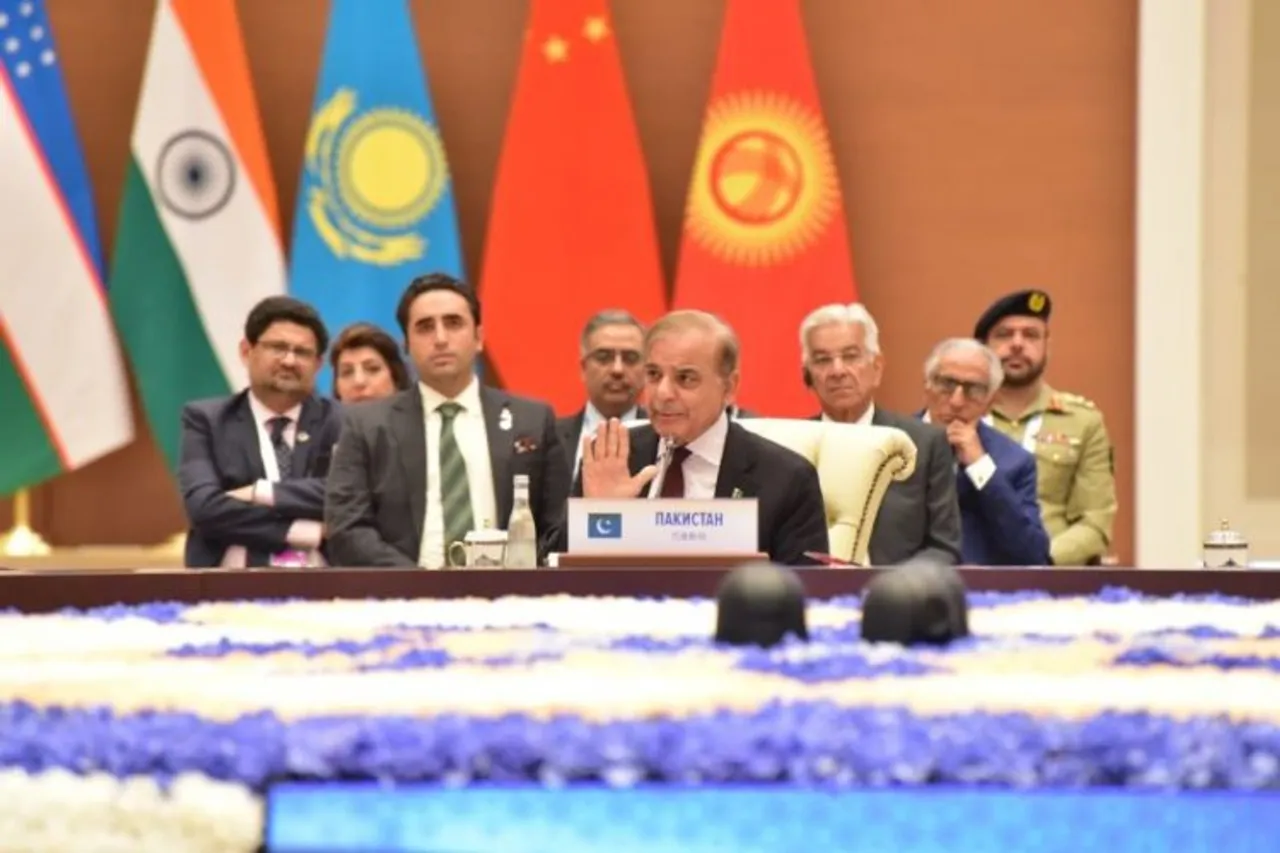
{"x": 673, "y": 484}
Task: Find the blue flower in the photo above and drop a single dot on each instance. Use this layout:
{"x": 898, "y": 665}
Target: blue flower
{"x": 224, "y": 647}
{"x": 834, "y": 665}
{"x": 1186, "y": 657}
{"x": 162, "y": 612}
{"x": 812, "y": 743}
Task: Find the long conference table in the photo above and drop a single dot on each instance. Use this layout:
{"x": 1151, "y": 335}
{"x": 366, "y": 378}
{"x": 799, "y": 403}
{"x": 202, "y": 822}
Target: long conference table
{"x": 50, "y": 589}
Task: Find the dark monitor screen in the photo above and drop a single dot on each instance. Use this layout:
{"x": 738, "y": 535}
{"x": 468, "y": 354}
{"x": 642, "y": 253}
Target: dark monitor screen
{"x": 366, "y": 818}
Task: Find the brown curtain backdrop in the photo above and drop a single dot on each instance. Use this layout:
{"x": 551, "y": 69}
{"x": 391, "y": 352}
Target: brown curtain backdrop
{"x": 983, "y": 146}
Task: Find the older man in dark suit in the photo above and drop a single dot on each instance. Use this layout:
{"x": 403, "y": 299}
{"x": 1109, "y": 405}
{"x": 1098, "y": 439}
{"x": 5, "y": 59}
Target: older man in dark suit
{"x": 691, "y": 370}
{"x": 414, "y": 473}
{"x": 995, "y": 476}
{"x": 842, "y": 364}
{"x": 253, "y": 465}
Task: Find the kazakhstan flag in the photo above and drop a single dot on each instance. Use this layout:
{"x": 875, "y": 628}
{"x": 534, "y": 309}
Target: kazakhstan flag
{"x": 375, "y": 203}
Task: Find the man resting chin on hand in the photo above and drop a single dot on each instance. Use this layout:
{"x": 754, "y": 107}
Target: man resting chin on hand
{"x": 995, "y": 477}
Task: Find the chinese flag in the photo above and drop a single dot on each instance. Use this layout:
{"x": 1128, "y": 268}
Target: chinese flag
{"x": 764, "y": 238}
{"x": 571, "y": 228}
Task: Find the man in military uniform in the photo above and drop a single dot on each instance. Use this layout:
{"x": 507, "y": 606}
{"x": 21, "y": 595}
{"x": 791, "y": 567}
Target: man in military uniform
{"x": 1074, "y": 457}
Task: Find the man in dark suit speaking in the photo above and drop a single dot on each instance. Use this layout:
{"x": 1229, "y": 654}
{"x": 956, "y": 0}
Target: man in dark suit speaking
{"x": 691, "y": 372}
{"x": 253, "y": 465}
{"x": 415, "y": 472}
{"x": 995, "y": 476}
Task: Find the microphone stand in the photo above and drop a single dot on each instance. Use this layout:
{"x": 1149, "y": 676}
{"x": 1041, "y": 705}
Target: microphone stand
{"x": 666, "y": 450}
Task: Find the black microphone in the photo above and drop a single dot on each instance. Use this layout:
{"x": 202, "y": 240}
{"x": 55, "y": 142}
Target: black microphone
{"x": 666, "y": 450}
{"x": 760, "y": 604}
{"x": 919, "y": 601}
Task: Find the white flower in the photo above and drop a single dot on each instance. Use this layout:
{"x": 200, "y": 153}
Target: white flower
{"x": 58, "y": 810}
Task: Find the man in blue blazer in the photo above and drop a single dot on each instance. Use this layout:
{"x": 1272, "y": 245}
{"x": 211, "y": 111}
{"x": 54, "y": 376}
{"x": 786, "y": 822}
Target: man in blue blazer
{"x": 995, "y": 476}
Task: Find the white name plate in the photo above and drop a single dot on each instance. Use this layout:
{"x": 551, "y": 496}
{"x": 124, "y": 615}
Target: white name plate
{"x": 663, "y": 526}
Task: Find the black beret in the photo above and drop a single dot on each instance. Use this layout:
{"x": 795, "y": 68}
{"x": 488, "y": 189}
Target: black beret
{"x": 1024, "y": 303}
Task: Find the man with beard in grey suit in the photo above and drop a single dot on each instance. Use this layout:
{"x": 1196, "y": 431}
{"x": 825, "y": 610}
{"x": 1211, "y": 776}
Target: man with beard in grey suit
{"x": 842, "y": 365}
{"x": 415, "y": 472}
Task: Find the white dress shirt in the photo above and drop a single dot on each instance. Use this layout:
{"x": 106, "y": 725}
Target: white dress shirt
{"x": 473, "y": 440}
{"x": 591, "y": 419}
{"x": 304, "y": 533}
{"x": 982, "y": 470}
{"x": 702, "y": 466}
{"x": 865, "y": 420}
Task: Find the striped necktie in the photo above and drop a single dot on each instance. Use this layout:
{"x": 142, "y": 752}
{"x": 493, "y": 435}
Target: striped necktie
{"x": 455, "y": 492}
{"x": 284, "y": 453}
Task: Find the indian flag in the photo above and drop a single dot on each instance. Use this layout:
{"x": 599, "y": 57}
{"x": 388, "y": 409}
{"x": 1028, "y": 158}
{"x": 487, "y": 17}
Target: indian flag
{"x": 198, "y": 241}
{"x": 64, "y": 395}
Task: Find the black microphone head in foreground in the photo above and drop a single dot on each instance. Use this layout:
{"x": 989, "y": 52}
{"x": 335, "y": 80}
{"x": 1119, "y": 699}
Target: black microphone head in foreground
{"x": 760, "y": 604}
{"x": 916, "y": 602}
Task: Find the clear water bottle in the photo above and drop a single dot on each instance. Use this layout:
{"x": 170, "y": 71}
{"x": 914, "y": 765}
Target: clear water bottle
{"x": 522, "y": 534}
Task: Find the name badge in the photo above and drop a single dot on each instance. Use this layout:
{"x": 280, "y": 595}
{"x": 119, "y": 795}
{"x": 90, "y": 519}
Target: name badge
{"x": 663, "y": 526}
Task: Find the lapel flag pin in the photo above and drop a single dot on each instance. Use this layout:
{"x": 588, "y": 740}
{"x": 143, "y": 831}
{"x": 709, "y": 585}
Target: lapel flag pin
{"x": 504, "y": 420}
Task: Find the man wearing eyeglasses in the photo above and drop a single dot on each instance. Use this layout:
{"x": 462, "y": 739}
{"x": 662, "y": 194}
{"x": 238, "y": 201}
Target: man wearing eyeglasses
{"x": 1065, "y": 432}
{"x": 841, "y": 363}
{"x": 613, "y": 373}
{"x": 253, "y": 465}
{"x": 995, "y": 478}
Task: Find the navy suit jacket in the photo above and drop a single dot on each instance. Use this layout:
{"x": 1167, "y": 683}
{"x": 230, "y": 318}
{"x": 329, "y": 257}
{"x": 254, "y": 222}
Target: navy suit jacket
{"x": 220, "y": 453}
{"x": 1001, "y": 521}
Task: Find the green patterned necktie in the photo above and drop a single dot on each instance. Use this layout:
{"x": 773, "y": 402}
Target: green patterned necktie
{"x": 455, "y": 492}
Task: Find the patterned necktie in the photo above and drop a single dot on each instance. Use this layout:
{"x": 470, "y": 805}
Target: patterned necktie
{"x": 673, "y": 483}
{"x": 455, "y": 492}
{"x": 284, "y": 453}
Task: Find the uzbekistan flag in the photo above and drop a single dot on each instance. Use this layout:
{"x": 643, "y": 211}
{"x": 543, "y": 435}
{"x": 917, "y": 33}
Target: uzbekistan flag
{"x": 64, "y": 394}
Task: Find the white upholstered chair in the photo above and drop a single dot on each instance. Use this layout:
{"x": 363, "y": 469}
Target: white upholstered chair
{"x": 855, "y": 466}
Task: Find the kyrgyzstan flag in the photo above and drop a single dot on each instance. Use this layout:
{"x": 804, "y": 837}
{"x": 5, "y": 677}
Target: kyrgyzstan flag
{"x": 571, "y": 228}
{"x": 764, "y": 233}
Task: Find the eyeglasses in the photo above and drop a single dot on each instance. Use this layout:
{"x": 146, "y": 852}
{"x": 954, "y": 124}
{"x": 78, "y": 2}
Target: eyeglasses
{"x": 947, "y": 385}
{"x": 606, "y": 357}
{"x": 280, "y": 349}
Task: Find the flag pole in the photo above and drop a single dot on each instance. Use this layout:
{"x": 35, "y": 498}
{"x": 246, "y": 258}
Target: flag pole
{"x": 21, "y": 540}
